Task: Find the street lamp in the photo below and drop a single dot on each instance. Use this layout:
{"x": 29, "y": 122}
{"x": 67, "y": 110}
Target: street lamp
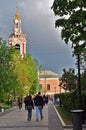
{"x": 79, "y": 83}
{"x": 38, "y": 82}
{"x": 77, "y": 114}
{"x": 55, "y": 89}
{"x": 77, "y": 51}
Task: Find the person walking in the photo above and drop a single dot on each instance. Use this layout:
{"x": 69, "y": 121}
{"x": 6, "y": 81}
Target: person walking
{"x": 25, "y": 101}
{"x": 44, "y": 100}
{"x": 29, "y": 106}
{"x": 38, "y": 100}
{"x": 20, "y": 101}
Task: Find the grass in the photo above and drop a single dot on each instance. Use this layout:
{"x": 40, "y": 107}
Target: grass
{"x": 66, "y": 115}
{"x": 5, "y": 106}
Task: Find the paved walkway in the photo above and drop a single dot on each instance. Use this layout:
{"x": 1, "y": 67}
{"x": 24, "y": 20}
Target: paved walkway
{"x": 17, "y": 120}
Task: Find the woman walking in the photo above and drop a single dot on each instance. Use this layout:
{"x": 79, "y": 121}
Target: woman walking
{"x": 29, "y": 106}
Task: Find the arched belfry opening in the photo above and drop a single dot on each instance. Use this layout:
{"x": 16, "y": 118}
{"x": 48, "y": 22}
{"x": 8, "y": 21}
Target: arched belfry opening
{"x": 17, "y": 47}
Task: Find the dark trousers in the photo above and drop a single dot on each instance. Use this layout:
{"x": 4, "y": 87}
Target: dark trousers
{"x": 20, "y": 105}
{"x": 29, "y": 109}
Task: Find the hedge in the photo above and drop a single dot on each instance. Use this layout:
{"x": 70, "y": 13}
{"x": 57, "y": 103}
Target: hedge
{"x": 69, "y": 100}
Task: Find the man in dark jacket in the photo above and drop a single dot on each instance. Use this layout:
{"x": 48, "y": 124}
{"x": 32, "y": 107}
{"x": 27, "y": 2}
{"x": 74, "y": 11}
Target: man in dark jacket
{"x": 38, "y": 100}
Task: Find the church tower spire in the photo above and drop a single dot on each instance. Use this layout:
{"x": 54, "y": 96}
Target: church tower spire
{"x": 17, "y": 14}
{"x": 17, "y": 23}
{"x": 17, "y": 38}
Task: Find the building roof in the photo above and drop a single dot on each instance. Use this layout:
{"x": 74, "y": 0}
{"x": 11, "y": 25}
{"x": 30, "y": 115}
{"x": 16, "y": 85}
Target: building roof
{"x": 48, "y": 74}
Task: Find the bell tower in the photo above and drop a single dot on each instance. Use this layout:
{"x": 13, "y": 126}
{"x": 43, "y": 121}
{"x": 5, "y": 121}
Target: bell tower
{"x": 17, "y": 24}
{"x": 17, "y": 38}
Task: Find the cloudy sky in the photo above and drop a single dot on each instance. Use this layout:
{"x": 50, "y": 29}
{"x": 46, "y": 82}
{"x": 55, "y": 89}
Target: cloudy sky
{"x": 43, "y": 39}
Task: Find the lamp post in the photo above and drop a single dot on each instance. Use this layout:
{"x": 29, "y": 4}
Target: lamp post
{"x": 77, "y": 114}
{"x": 77, "y": 51}
{"x": 79, "y": 84}
{"x": 38, "y": 82}
{"x": 55, "y": 89}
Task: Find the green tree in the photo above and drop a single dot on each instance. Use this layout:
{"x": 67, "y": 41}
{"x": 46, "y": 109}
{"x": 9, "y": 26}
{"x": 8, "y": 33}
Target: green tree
{"x": 33, "y": 72}
{"x": 17, "y": 75}
{"x": 83, "y": 61}
{"x": 68, "y": 80}
{"x": 6, "y": 70}
{"x": 26, "y": 72}
{"x": 72, "y": 20}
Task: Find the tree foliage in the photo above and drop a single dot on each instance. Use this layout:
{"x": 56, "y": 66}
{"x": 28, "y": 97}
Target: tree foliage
{"x": 17, "y": 75}
{"x": 83, "y": 80}
{"x": 26, "y": 72}
{"x": 72, "y": 20}
{"x": 68, "y": 80}
{"x": 7, "y": 77}
{"x": 83, "y": 61}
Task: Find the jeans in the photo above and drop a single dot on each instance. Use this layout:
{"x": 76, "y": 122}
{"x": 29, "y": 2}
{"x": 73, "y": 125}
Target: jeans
{"x": 39, "y": 109}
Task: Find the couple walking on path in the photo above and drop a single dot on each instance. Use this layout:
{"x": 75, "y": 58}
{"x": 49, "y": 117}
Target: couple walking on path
{"x": 29, "y": 105}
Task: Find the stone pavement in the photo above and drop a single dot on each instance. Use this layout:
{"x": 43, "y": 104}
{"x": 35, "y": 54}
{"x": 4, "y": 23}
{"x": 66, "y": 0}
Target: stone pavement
{"x": 17, "y": 120}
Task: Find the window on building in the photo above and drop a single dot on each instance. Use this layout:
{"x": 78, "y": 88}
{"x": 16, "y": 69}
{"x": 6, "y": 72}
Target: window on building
{"x": 16, "y": 25}
{"x": 48, "y": 86}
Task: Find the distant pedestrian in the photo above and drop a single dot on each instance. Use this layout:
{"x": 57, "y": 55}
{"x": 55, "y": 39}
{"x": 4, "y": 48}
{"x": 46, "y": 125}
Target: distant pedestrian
{"x": 25, "y": 101}
{"x": 29, "y": 106}
{"x": 44, "y": 99}
{"x": 58, "y": 101}
{"x": 20, "y": 101}
{"x": 38, "y": 100}
{"x": 47, "y": 99}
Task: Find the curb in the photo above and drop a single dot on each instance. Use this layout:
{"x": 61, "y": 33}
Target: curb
{"x": 62, "y": 122}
